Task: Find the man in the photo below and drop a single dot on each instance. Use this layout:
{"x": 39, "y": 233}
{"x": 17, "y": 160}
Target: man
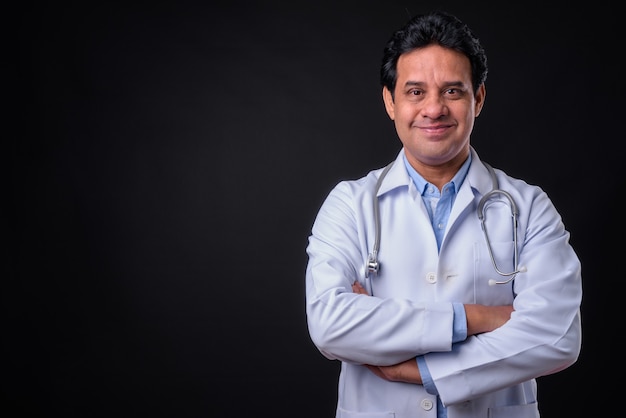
{"x": 429, "y": 316}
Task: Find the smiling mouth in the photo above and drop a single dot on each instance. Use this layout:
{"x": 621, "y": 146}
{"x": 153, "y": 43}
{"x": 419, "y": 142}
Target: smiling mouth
{"x": 434, "y": 129}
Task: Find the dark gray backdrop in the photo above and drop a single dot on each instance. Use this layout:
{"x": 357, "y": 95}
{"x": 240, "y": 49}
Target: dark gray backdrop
{"x": 170, "y": 160}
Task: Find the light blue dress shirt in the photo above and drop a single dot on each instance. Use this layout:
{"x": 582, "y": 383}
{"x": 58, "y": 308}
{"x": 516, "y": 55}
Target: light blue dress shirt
{"x": 439, "y": 204}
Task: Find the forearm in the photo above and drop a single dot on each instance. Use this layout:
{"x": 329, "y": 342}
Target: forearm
{"x": 482, "y": 318}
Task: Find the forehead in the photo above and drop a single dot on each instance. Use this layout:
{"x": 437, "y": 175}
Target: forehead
{"x": 434, "y": 61}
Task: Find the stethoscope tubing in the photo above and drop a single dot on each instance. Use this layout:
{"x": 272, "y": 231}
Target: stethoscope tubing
{"x": 372, "y": 264}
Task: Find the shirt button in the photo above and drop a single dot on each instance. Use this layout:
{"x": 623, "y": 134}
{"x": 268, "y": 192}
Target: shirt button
{"x": 426, "y": 404}
{"x": 440, "y": 226}
{"x": 431, "y": 278}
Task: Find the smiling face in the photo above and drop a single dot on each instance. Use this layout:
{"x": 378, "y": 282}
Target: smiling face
{"x": 433, "y": 108}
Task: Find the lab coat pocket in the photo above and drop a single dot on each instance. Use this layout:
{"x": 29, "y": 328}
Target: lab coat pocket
{"x": 501, "y": 261}
{"x": 494, "y": 288}
{"x": 342, "y": 413}
{"x": 517, "y": 411}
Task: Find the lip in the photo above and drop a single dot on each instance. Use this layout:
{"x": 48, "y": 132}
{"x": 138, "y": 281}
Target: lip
{"x": 435, "y": 130}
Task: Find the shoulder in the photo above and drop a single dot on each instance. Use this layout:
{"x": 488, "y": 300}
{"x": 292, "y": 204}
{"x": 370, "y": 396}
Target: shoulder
{"x": 364, "y": 186}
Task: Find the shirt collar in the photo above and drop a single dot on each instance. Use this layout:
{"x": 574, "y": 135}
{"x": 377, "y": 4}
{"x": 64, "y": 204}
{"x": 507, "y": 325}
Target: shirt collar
{"x": 422, "y": 184}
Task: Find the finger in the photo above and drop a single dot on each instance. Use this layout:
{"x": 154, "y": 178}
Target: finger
{"x": 358, "y": 288}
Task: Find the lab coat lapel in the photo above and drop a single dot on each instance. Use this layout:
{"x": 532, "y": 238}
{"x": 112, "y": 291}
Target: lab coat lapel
{"x": 476, "y": 184}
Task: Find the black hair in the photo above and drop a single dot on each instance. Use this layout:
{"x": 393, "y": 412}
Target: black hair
{"x": 439, "y": 28}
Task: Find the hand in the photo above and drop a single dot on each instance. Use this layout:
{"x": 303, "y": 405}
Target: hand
{"x": 358, "y": 288}
{"x": 406, "y": 372}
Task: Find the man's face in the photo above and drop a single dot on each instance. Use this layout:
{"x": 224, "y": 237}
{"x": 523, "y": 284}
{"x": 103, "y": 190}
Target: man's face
{"x": 434, "y": 106}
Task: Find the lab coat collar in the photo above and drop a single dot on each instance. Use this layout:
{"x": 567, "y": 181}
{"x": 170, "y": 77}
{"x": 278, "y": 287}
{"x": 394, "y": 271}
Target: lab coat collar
{"x": 478, "y": 177}
{"x": 477, "y": 180}
{"x": 396, "y": 177}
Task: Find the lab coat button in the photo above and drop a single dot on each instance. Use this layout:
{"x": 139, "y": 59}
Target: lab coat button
{"x": 426, "y": 404}
{"x": 431, "y": 278}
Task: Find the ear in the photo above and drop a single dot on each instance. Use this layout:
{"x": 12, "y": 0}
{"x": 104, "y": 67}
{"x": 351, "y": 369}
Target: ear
{"x": 389, "y": 105}
{"x": 479, "y": 99}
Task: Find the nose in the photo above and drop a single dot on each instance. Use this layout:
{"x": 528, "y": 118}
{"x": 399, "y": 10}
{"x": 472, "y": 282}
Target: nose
{"x": 434, "y": 106}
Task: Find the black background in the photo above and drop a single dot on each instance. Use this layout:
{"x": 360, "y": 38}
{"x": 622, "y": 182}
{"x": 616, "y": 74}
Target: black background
{"x": 169, "y": 162}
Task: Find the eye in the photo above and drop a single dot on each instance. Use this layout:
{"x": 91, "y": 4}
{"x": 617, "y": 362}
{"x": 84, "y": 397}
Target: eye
{"x": 453, "y": 93}
{"x": 415, "y": 92}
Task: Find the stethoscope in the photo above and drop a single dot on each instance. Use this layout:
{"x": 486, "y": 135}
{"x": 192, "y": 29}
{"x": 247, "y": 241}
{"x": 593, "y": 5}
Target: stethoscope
{"x": 372, "y": 264}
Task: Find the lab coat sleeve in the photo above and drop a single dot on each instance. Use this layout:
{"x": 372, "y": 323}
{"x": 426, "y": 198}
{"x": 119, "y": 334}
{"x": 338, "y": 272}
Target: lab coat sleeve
{"x": 543, "y": 335}
{"x": 358, "y": 328}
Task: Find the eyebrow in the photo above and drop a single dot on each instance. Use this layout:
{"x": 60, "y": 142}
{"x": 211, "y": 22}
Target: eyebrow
{"x": 446, "y": 84}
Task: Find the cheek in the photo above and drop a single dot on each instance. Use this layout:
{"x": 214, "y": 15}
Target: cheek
{"x": 405, "y": 112}
{"x": 464, "y": 114}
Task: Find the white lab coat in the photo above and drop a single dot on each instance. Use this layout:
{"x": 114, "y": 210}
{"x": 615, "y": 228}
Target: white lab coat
{"x": 410, "y": 313}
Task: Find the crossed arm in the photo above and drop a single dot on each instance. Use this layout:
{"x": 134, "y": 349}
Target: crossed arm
{"x": 480, "y": 318}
